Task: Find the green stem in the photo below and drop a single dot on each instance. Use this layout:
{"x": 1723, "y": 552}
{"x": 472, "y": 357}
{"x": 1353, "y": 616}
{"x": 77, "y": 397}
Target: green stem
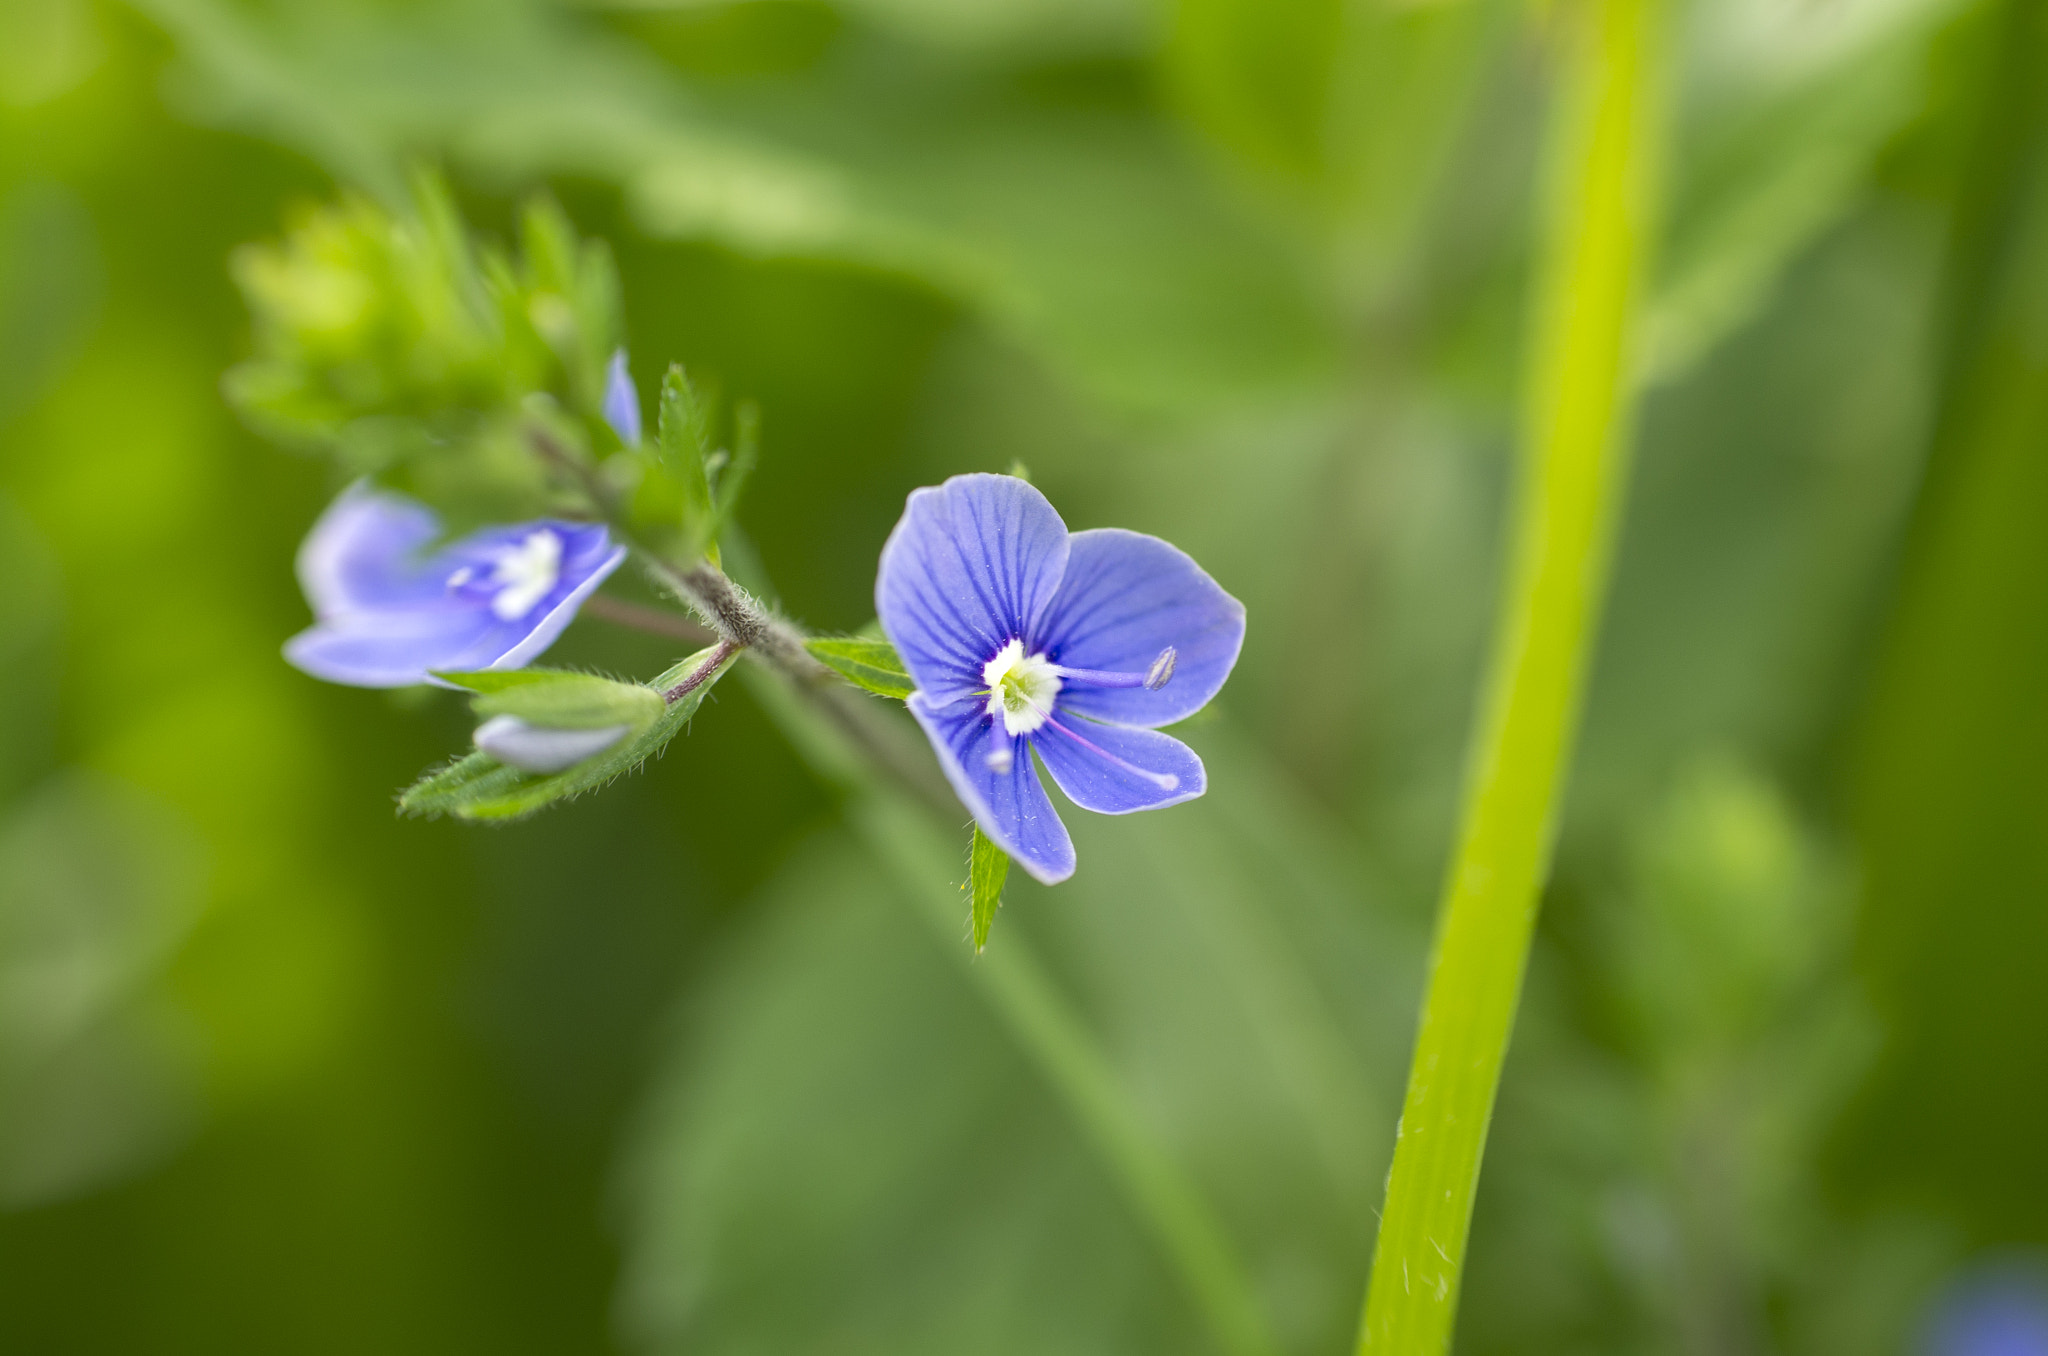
{"x": 1599, "y": 217}
{"x": 1166, "y": 1202}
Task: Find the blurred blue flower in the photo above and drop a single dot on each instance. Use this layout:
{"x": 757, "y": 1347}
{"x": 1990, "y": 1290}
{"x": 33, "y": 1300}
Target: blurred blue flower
{"x": 2000, "y": 1311}
{"x": 1022, "y": 636}
{"x": 622, "y": 400}
{"x": 387, "y": 609}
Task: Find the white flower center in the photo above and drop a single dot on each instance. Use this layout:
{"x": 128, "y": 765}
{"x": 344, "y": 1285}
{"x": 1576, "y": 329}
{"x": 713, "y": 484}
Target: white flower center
{"x": 525, "y": 574}
{"x": 1020, "y": 689}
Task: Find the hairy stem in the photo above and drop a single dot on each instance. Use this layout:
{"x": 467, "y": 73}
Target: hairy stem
{"x": 1600, "y": 211}
{"x": 740, "y": 621}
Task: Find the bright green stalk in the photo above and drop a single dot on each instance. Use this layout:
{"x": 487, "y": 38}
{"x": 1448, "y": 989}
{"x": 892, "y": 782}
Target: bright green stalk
{"x": 1599, "y": 223}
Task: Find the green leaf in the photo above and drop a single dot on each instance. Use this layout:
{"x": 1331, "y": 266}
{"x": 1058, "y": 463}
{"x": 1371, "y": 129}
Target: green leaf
{"x": 1779, "y": 150}
{"x": 478, "y": 787}
{"x": 871, "y": 664}
{"x": 684, "y": 440}
{"x": 558, "y": 698}
{"x": 988, "y": 866}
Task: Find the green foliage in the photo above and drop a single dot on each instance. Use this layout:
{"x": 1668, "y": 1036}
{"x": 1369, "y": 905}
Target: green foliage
{"x": 476, "y": 786}
{"x": 391, "y": 342}
{"x": 1248, "y": 276}
{"x": 97, "y": 889}
{"x": 988, "y": 866}
{"x": 683, "y": 446}
{"x": 1789, "y": 118}
{"x": 1232, "y": 962}
{"x": 1743, "y": 1035}
{"x": 866, "y": 662}
{"x": 560, "y": 699}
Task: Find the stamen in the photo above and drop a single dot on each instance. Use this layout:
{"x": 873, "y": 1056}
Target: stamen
{"x": 1165, "y": 781}
{"x": 1020, "y": 689}
{"x": 1000, "y": 759}
{"x": 1154, "y": 678}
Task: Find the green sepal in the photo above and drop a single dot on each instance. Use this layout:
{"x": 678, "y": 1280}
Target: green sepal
{"x": 987, "y": 867}
{"x": 558, "y": 698}
{"x": 683, "y": 441}
{"x": 477, "y": 786}
{"x": 871, "y": 664}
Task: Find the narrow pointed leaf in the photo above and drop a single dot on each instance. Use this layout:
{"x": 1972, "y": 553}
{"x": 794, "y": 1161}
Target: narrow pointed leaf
{"x": 684, "y": 438}
{"x": 988, "y": 866}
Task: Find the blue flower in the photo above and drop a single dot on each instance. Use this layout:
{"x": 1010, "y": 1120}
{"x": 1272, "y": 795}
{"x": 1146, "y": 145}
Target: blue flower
{"x": 1995, "y": 1311}
{"x": 1023, "y": 637}
{"x": 622, "y": 400}
{"x": 386, "y": 609}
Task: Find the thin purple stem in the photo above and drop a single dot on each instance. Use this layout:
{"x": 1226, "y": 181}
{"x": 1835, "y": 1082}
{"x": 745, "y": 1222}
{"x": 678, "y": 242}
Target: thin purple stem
{"x": 721, "y": 652}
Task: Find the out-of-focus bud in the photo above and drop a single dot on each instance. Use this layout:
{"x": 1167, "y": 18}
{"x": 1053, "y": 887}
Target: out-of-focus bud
{"x": 622, "y": 400}
{"x": 540, "y": 748}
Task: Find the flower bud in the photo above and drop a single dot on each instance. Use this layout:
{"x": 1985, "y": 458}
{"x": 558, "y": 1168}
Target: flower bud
{"x": 540, "y": 748}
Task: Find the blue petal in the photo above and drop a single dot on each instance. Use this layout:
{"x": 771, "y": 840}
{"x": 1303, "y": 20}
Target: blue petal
{"x": 393, "y": 649}
{"x": 539, "y": 748}
{"x": 1010, "y": 804}
{"x": 970, "y": 567}
{"x": 365, "y": 552}
{"x": 1114, "y": 769}
{"x": 622, "y": 400}
{"x": 385, "y": 616}
{"x": 1126, "y": 597}
{"x": 591, "y": 566}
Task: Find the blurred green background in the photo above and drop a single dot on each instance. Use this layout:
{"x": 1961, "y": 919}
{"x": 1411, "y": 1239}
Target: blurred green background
{"x": 672, "y": 1068}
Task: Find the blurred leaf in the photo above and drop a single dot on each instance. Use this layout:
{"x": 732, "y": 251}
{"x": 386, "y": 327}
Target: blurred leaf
{"x": 842, "y": 1119}
{"x": 478, "y": 787}
{"x": 683, "y": 443}
{"x": 1951, "y": 775}
{"x": 1790, "y": 108}
{"x": 558, "y": 698}
{"x": 1035, "y": 30}
{"x": 389, "y": 341}
{"x": 97, "y": 887}
{"x": 987, "y": 867}
{"x": 869, "y": 663}
{"x": 46, "y": 48}
{"x": 50, "y": 280}
{"x": 1674, "y": 1192}
{"x": 1345, "y": 111}
{"x": 1081, "y": 231}
{"x": 31, "y": 608}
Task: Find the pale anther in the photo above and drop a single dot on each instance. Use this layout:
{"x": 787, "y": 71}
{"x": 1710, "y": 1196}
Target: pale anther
{"x": 1161, "y": 672}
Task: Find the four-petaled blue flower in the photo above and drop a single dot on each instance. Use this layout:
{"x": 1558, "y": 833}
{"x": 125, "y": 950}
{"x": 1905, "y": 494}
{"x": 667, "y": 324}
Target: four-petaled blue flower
{"x": 1022, "y": 636}
{"x": 387, "y": 610}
